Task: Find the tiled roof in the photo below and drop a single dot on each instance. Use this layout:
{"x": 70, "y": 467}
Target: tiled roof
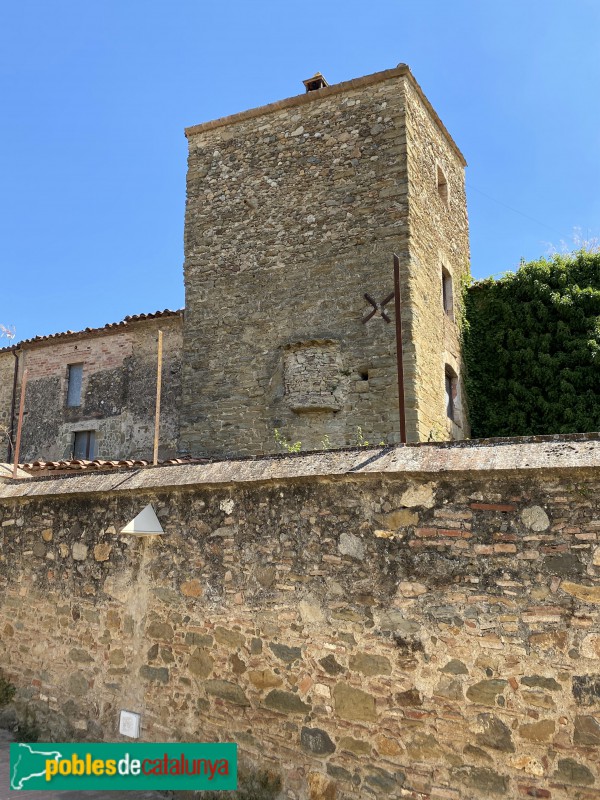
{"x": 98, "y": 465}
{"x": 110, "y": 326}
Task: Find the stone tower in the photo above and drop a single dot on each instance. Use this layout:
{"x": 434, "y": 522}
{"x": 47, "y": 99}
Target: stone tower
{"x": 293, "y": 213}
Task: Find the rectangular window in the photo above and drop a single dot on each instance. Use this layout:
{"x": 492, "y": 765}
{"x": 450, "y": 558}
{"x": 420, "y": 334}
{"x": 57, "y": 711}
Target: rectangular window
{"x": 84, "y": 445}
{"x": 75, "y": 381}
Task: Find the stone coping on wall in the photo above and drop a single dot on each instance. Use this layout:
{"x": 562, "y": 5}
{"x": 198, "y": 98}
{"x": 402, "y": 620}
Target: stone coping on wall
{"x": 577, "y": 451}
{"x": 6, "y": 472}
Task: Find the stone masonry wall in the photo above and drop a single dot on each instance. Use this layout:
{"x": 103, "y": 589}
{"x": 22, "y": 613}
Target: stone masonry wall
{"x": 7, "y": 367}
{"x": 293, "y": 213}
{"x": 368, "y": 628}
{"x": 439, "y": 237}
{"x": 118, "y": 392}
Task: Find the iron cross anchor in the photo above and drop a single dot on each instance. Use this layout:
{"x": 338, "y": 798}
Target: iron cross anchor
{"x": 377, "y": 307}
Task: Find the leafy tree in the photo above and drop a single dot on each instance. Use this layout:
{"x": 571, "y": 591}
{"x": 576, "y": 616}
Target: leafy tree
{"x": 532, "y": 348}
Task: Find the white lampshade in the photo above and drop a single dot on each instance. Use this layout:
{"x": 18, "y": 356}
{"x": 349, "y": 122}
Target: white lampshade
{"x": 145, "y": 524}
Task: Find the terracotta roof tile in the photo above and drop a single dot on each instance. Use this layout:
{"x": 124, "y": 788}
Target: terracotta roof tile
{"x": 98, "y": 465}
{"x": 124, "y": 323}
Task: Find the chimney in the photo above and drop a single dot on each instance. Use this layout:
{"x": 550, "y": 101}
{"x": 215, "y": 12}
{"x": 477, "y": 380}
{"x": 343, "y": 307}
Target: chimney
{"x": 316, "y": 82}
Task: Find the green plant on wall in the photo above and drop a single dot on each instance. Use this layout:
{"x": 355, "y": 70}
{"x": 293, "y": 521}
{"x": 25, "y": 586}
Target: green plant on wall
{"x": 286, "y": 445}
{"x": 360, "y": 439}
{"x": 532, "y": 349}
{"x": 7, "y": 690}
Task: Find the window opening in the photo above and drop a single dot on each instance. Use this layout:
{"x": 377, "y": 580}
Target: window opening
{"x": 442, "y": 185}
{"x": 84, "y": 445}
{"x": 447, "y": 293}
{"x": 74, "y": 386}
{"x": 451, "y": 388}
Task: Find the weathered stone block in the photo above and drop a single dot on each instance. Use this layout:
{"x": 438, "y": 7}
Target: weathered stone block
{"x": 571, "y": 771}
{"x": 159, "y": 674}
{"x": 200, "y": 663}
{"x": 484, "y": 780}
{"x": 586, "y": 689}
{"x": 78, "y": 684}
{"x": 353, "y": 704}
{"x": 401, "y": 518}
{"x": 540, "y": 731}
{"x": 455, "y": 667}
{"x": 226, "y": 690}
{"x": 320, "y": 787}
{"x": 102, "y": 551}
{"x": 317, "y": 741}
{"x": 384, "y": 782}
{"x": 285, "y": 653}
{"x": 264, "y": 679}
{"x": 286, "y": 702}
{"x": 229, "y": 638}
{"x": 160, "y": 630}
{"x": 77, "y": 654}
{"x": 192, "y": 588}
{"x": 79, "y": 551}
{"x": 355, "y": 746}
{"x": 588, "y": 594}
{"x": 370, "y": 664}
{"x": 587, "y": 731}
{"x": 541, "y": 682}
{"x": 351, "y": 545}
{"x": 535, "y": 518}
{"x": 409, "y": 698}
{"x": 419, "y": 495}
{"x": 495, "y": 734}
{"x": 486, "y": 692}
{"x": 330, "y": 665}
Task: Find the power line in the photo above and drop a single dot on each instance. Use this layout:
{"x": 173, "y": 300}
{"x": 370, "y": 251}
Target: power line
{"x": 515, "y": 210}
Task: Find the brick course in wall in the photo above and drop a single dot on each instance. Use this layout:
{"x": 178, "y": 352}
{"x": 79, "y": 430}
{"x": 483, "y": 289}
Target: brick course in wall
{"x": 413, "y": 622}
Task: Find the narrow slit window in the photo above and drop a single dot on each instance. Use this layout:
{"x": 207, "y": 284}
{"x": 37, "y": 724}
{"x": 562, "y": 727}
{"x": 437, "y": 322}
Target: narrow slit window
{"x": 447, "y": 293}
{"x": 84, "y": 445}
{"x": 451, "y": 386}
{"x": 442, "y": 185}
{"x": 74, "y": 386}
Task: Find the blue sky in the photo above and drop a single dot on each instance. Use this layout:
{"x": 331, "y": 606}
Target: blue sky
{"x": 96, "y": 94}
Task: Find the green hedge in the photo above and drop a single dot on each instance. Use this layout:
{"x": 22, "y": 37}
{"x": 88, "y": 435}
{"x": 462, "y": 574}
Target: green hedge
{"x": 532, "y": 349}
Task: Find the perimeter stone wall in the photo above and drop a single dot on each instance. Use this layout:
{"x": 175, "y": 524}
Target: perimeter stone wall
{"x": 293, "y": 214}
{"x": 365, "y": 629}
{"x": 118, "y": 396}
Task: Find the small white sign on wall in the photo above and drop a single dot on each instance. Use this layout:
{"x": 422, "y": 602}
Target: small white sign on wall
{"x": 129, "y": 724}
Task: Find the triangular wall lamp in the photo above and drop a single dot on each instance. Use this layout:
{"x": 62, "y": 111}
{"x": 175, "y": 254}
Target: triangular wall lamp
{"x": 145, "y": 524}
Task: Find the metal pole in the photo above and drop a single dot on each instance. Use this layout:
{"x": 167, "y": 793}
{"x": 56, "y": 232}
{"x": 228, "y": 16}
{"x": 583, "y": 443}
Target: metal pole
{"x": 158, "y": 391}
{"x": 20, "y": 423}
{"x": 399, "y": 354}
